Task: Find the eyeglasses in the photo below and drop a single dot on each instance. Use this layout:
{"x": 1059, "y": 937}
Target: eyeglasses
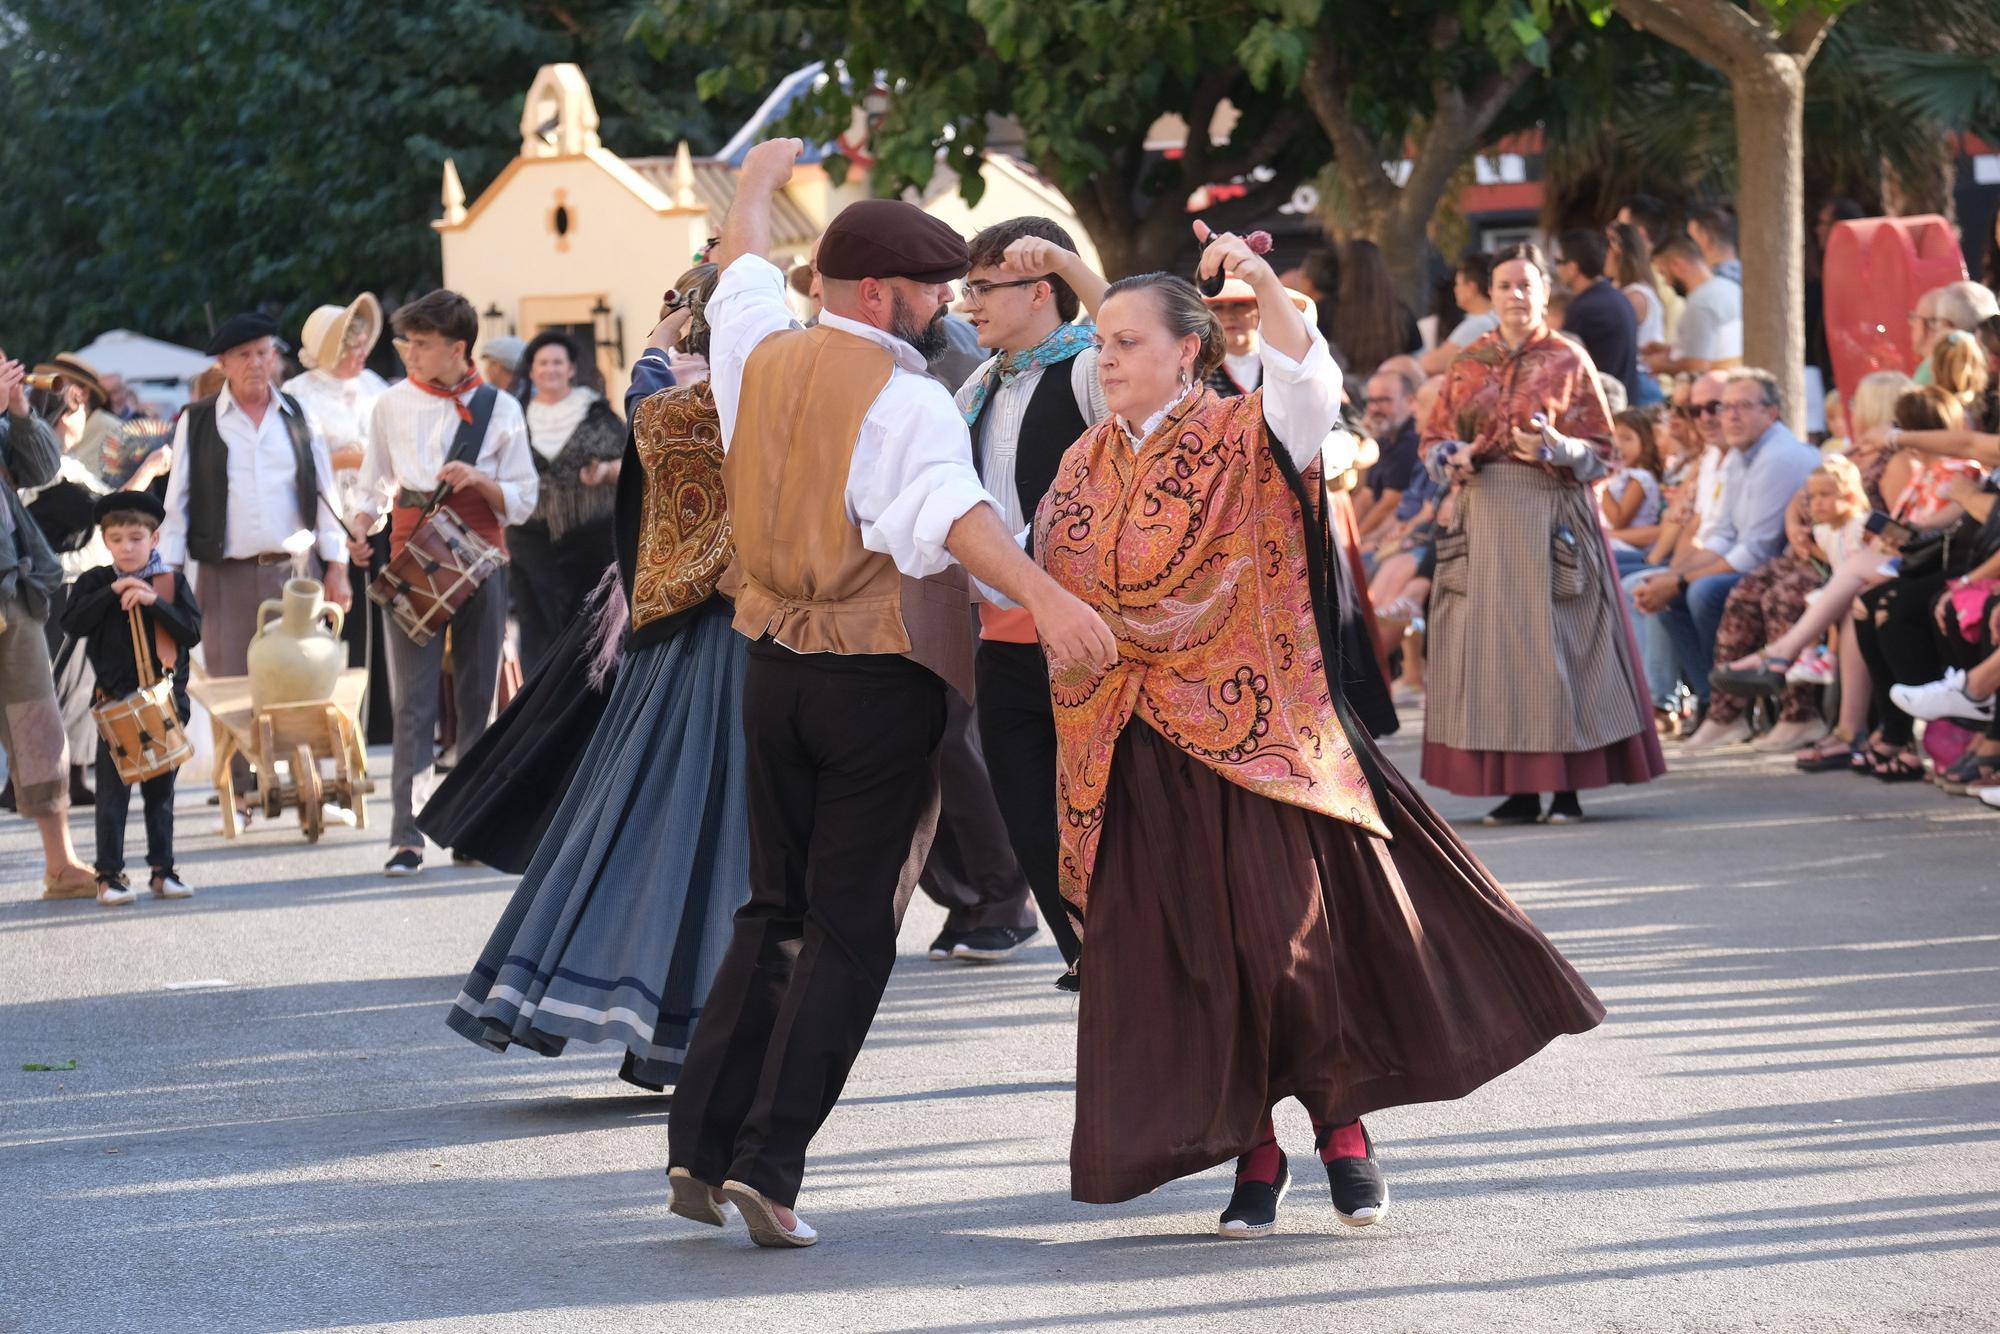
{"x": 978, "y": 289}
{"x": 1758, "y": 406}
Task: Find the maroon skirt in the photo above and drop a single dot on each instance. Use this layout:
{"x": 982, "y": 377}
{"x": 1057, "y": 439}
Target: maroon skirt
{"x": 1239, "y": 951}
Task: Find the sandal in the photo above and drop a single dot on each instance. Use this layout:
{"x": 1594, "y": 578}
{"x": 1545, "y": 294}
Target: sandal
{"x": 1971, "y": 771}
{"x": 1901, "y": 767}
{"x": 1835, "y": 752}
{"x": 1767, "y": 677}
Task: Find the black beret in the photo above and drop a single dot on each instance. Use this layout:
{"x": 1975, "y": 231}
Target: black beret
{"x": 240, "y": 329}
{"x": 887, "y": 238}
{"x": 143, "y": 502}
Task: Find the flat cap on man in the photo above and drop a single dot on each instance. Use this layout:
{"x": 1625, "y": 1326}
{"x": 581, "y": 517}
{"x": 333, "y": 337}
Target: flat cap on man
{"x": 887, "y": 238}
{"x": 240, "y": 329}
{"x": 119, "y": 502}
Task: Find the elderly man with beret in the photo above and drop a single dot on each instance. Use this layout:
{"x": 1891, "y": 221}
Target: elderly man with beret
{"x": 852, "y": 490}
{"x": 250, "y": 472}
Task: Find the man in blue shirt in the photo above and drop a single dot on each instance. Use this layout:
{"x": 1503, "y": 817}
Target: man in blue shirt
{"x": 1767, "y": 466}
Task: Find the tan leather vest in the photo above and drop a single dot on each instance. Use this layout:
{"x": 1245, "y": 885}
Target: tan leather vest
{"x": 801, "y": 575}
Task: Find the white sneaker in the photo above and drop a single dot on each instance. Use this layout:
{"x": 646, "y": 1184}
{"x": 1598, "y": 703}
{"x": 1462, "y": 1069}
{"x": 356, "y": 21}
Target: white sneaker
{"x": 114, "y": 893}
{"x": 1989, "y": 795}
{"x": 1814, "y": 668}
{"x": 170, "y": 886}
{"x": 1942, "y": 698}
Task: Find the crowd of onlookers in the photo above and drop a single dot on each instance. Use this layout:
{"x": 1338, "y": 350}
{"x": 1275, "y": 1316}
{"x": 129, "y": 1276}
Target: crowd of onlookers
{"x": 1836, "y": 597}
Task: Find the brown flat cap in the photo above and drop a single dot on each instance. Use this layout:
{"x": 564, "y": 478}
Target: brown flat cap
{"x": 887, "y": 238}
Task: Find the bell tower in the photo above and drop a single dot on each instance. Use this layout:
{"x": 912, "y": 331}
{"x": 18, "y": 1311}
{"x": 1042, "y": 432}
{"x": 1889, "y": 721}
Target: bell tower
{"x": 559, "y": 118}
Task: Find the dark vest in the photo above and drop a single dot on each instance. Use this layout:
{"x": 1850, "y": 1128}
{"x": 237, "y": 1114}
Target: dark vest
{"x": 1049, "y": 426}
{"x": 208, "y": 475}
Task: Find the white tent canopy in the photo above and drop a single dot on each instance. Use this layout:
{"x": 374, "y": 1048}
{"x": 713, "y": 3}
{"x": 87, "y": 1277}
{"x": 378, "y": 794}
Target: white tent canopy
{"x": 155, "y": 369}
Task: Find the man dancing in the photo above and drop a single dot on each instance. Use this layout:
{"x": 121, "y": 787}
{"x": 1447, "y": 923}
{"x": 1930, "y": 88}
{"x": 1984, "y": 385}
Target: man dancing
{"x": 851, "y": 488}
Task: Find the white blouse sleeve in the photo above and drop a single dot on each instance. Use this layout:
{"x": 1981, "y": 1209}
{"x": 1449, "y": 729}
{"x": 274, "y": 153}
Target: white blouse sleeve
{"x": 747, "y": 307}
{"x": 911, "y": 477}
{"x": 1301, "y": 398}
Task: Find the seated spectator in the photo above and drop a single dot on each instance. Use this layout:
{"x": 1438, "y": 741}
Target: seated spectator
{"x": 1966, "y": 695}
{"x": 1709, "y": 334}
{"x": 1629, "y": 263}
{"x": 1766, "y": 467}
{"x": 1390, "y": 416}
{"x": 1823, "y": 525}
{"x": 1599, "y": 316}
{"x": 1631, "y": 500}
{"x": 1893, "y": 627}
{"x": 1474, "y": 276}
{"x": 1834, "y": 409}
{"x": 1870, "y": 419}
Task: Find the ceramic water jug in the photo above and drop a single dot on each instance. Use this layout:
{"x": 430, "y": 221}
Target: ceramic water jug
{"x": 296, "y": 656}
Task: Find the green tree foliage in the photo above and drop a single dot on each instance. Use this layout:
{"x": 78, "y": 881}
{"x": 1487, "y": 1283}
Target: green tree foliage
{"x": 170, "y": 162}
{"x": 1071, "y": 87}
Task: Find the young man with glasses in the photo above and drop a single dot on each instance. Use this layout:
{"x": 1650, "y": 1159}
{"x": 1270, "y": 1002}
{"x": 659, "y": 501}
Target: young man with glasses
{"x": 1025, "y": 406}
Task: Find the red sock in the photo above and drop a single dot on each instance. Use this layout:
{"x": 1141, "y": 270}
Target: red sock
{"x": 1261, "y": 1162}
{"x": 1341, "y": 1142}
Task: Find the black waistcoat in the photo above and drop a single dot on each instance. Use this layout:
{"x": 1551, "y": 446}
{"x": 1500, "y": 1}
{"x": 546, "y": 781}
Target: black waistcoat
{"x": 208, "y": 475}
{"x": 1049, "y": 426}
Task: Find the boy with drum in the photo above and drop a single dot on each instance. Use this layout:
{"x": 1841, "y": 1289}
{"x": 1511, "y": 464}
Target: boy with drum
{"x": 98, "y": 614}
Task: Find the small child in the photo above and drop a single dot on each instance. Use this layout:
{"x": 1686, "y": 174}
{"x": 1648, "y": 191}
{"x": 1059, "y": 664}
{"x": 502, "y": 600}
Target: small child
{"x": 1632, "y": 502}
{"x": 96, "y": 616}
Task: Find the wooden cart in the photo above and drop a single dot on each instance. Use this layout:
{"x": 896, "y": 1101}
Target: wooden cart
{"x": 299, "y": 737}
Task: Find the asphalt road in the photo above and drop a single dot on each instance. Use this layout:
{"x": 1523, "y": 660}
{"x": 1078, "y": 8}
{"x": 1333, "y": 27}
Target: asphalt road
{"x": 1790, "y": 1121}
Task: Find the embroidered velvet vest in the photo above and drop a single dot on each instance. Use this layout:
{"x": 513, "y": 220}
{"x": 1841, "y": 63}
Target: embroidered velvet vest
{"x": 683, "y": 541}
{"x": 1193, "y": 549}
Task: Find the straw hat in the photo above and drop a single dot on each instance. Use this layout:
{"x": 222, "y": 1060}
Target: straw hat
{"x": 327, "y": 327}
{"x": 1235, "y": 289}
{"x": 77, "y": 371}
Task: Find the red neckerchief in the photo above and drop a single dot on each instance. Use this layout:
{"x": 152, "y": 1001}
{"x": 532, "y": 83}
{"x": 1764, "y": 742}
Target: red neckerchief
{"x": 471, "y": 382}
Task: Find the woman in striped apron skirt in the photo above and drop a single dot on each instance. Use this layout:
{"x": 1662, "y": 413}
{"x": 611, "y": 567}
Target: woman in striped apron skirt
{"x": 1534, "y": 682}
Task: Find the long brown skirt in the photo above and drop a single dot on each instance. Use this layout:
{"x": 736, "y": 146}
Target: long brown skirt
{"x": 1239, "y": 951}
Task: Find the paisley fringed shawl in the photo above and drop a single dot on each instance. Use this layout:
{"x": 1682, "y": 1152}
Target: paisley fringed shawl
{"x": 1194, "y": 550}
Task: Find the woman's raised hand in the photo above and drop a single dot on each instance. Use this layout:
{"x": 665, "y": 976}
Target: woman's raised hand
{"x": 1230, "y": 255}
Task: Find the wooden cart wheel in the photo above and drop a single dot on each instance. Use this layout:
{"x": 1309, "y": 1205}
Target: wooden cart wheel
{"x": 269, "y": 790}
{"x": 305, "y": 780}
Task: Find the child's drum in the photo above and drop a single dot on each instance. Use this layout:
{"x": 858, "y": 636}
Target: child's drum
{"x": 144, "y": 733}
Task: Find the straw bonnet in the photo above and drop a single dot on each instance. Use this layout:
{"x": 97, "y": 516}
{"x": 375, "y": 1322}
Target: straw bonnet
{"x": 77, "y": 371}
{"x": 326, "y": 329}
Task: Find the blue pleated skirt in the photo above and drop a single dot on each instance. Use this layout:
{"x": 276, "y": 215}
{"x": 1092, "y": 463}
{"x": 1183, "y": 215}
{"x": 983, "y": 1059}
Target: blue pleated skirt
{"x": 616, "y": 930}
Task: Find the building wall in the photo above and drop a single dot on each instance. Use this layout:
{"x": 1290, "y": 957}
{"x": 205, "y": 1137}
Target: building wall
{"x": 508, "y": 253}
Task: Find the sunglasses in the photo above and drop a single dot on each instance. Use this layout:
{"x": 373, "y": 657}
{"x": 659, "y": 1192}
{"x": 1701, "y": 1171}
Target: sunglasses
{"x": 1696, "y": 410}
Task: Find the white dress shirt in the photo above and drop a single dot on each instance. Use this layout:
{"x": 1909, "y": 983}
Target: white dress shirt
{"x": 409, "y": 438}
{"x": 911, "y": 476}
{"x": 1006, "y": 406}
{"x": 263, "y": 477}
{"x": 341, "y": 409}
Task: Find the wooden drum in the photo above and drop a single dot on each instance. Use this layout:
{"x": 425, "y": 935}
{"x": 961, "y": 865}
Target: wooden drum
{"x": 435, "y": 574}
{"x": 142, "y": 730}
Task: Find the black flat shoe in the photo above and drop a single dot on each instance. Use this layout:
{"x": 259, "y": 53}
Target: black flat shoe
{"x": 1523, "y": 809}
{"x": 1360, "y": 1195}
{"x": 945, "y": 943}
{"x": 1253, "y": 1207}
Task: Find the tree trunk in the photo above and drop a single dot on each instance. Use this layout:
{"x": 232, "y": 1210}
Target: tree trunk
{"x": 1770, "y": 207}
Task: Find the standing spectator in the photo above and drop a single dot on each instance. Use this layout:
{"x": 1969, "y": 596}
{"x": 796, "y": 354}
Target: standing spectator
{"x": 31, "y": 727}
{"x": 1371, "y": 323}
{"x": 1767, "y": 466}
{"x": 1649, "y": 216}
{"x": 250, "y": 471}
{"x": 1709, "y": 335}
{"x": 1391, "y": 420}
{"x": 1714, "y": 230}
{"x": 1469, "y": 285}
{"x": 500, "y": 363}
{"x": 1242, "y": 368}
{"x": 1533, "y": 683}
{"x": 1629, "y": 263}
{"x": 413, "y": 449}
{"x": 560, "y": 552}
{"x": 1599, "y": 315}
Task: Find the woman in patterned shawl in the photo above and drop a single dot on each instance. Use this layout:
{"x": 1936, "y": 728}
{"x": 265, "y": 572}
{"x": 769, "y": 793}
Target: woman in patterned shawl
{"x": 1530, "y": 661}
{"x": 1267, "y": 909}
{"x": 616, "y": 930}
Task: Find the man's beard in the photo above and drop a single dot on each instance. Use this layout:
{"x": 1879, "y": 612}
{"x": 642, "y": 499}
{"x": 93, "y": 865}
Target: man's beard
{"x": 928, "y": 339}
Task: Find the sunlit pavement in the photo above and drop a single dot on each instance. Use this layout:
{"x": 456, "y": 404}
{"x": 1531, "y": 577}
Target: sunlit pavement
{"x": 1791, "y": 1119}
